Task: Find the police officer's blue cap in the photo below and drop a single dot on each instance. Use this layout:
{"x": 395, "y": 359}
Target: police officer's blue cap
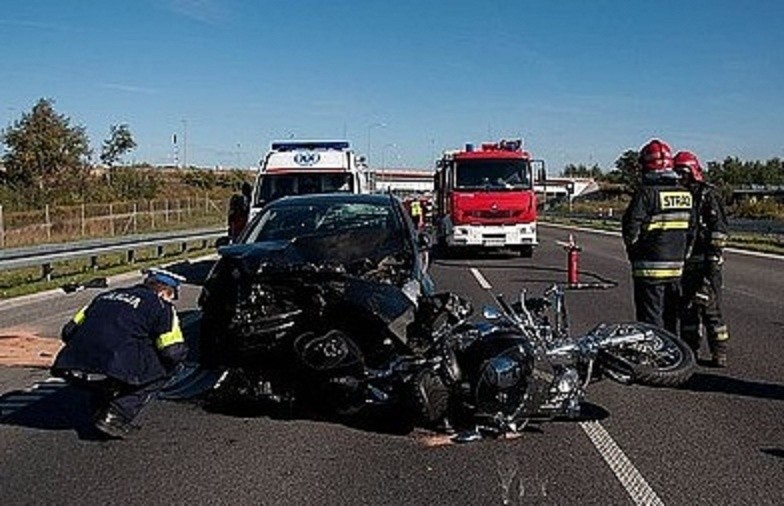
{"x": 164, "y": 277}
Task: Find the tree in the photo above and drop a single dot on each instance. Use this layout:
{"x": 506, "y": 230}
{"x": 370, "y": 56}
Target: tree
{"x": 119, "y": 142}
{"x": 628, "y": 166}
{"x": 45, "y": 153}
{"x": 581, "y": 170}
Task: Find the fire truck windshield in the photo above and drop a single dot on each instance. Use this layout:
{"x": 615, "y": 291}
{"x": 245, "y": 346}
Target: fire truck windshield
{"x": 281, "y": 185}
{"x": 492, "y": 175}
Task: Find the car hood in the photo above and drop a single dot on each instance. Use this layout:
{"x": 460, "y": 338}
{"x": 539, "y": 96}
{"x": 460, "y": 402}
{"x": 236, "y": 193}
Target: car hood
{"x": 353, "y": 250}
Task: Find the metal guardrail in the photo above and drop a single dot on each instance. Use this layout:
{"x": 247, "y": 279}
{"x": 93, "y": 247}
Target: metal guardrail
{"x": 46, "y": 255}
{"x": 761, "y": 226}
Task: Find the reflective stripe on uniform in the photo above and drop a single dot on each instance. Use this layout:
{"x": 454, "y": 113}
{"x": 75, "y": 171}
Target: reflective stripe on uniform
{"x": 667, "y": 225}
{"x": 80, "y": 316}
{"x": 669, "y": 221}
{"x": 719, "y": 333}
{"x": 657, "y": 273}
{"x": 653, "y": 269}
{"x": 174, "y": 336}
{"x": 656, "y": 264}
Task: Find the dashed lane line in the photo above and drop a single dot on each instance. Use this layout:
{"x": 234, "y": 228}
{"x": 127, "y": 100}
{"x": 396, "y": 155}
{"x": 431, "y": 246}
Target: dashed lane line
{"x": 481, "y": 279}
{"x": 632, "y": 481}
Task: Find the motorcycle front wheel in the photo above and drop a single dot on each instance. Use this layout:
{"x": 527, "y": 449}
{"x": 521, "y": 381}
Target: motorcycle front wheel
{"x": 662, "y": 359}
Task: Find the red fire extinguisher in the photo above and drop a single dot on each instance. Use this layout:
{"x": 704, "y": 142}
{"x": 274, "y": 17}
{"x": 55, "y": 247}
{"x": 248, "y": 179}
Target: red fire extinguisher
{"x": 572, "y": 262}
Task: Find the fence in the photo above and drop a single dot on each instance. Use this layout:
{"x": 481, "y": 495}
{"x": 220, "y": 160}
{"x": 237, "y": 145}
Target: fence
{"x": 70, "y": 223}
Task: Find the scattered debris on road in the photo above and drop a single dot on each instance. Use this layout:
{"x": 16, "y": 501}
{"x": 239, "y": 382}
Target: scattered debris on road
{"x": 24, "y": 349}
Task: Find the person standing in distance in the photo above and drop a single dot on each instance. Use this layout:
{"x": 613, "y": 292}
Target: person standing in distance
{"x": 702, "y": 274}
{"x": 123, "y": 346}
{"x": 657, "y": 229}
{"x": 239, "y": 211}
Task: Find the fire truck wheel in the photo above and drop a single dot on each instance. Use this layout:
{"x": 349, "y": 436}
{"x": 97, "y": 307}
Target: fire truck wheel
{"x": 526, "y": 251}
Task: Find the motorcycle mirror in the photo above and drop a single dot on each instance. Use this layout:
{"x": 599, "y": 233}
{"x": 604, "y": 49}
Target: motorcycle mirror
{"x": 491, "y": 313}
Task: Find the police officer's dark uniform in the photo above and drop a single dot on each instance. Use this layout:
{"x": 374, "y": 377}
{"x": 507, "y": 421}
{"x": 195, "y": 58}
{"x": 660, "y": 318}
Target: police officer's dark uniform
{"x": 129, "y": 339}
{"x": 657, "y": 231}
{"x": 702, "y": 274}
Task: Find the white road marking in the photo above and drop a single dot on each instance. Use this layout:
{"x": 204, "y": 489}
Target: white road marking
{"x": 635, "y": 485}
{"x": 632, "y": 481}
{"x": 481, "y": 279}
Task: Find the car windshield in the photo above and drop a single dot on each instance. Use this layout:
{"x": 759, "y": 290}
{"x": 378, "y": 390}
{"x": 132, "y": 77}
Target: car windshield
{"x": 283, "y": 185}
{"x": 291, "y": 220}
{"x": 493, "y": 174}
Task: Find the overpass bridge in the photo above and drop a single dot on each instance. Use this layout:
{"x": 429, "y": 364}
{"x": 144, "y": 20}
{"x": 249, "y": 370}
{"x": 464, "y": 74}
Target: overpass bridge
{"x": 410, "y": 180}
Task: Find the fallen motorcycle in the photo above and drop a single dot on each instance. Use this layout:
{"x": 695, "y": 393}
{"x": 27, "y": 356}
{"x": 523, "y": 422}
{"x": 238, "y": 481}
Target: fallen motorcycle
{"x": 521, "y": 364}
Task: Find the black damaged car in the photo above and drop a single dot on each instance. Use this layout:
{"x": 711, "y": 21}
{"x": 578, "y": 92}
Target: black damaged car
{"x": 319, "y": 300}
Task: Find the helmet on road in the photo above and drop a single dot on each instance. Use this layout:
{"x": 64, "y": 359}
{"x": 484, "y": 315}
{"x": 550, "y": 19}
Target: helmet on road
{"x": 687, "y": 163}
{"x": 656, "y": 156}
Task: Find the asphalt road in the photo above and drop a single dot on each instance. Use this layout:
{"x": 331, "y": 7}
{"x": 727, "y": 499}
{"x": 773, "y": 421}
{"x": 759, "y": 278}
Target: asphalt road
{"x": 718, "y": 440}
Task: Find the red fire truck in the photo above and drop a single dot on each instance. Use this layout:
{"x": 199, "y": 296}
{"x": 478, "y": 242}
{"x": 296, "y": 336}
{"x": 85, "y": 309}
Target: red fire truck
{"x": 485, "y": 197}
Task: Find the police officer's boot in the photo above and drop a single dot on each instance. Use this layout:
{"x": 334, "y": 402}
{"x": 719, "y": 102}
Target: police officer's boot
{"x": 112, "y": 424}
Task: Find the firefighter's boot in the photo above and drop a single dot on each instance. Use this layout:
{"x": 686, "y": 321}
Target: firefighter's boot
{"x": 717, "y": 340}
{"x": 720, "y": 355}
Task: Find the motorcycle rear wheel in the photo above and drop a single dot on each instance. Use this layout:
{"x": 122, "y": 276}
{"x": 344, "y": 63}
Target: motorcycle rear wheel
{"x": 664, "y": 360}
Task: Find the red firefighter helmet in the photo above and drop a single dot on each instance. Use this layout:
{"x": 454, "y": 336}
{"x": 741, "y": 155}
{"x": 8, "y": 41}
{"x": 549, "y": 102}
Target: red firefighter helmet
{"x": 656, "y": 156}
{"x": 687, "y": 162}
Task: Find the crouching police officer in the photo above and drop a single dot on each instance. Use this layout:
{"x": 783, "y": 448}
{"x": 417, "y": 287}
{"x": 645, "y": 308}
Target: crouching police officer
{"x": 657, "y": 231}
{"x": 702, "y": 274}
{"x": 123, "y": 345}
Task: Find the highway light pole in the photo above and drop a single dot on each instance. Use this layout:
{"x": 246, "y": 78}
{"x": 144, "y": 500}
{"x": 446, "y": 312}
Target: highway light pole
{"x": 184, "y": 144}
{"x": 369, "y": 129}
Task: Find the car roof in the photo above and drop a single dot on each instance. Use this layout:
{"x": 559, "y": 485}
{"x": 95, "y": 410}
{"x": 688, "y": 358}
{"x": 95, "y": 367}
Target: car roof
{"x": 328, "y": 198}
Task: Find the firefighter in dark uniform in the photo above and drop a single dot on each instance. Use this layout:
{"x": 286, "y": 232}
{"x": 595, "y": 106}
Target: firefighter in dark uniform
{"x": 123, "y": 346}
{"x": 658, "y": 228}
{"x": 702, "y": 274}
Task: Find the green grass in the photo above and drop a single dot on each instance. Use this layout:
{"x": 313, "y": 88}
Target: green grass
{"x": 16, "y": 282}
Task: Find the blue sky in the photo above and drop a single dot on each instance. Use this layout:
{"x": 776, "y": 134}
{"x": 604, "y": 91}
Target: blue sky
{"x": 580, "y": 81}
